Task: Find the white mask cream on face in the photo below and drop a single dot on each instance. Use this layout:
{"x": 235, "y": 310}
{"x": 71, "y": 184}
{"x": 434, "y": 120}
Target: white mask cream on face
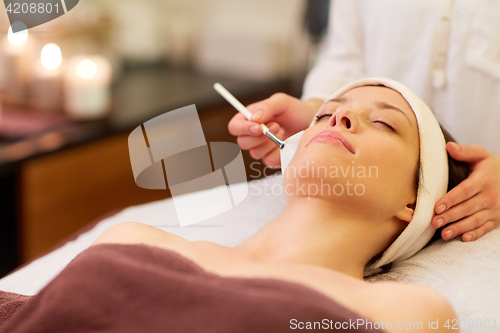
{"x": 286, "y": 155}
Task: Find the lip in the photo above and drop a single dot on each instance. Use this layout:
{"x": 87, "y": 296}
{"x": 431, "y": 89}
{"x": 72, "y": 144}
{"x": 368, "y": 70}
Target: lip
{"x": 335, "y": 138}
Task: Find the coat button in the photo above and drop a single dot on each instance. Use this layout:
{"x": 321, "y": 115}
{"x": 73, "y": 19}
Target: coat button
{"x": 438, "y": 79}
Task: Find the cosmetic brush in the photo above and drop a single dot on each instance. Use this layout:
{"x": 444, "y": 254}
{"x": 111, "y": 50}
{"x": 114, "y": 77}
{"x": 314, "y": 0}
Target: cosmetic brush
{"x": 241, "y": 108}
{"x": 287, "y": 148}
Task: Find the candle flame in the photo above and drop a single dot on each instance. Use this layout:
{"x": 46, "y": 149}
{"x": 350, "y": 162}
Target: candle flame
{"x": 51, "y": 56}
{"x": 86, "y": 69}
{"x": 18, "y": 38}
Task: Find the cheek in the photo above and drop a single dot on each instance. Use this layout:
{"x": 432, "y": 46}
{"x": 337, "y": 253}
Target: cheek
{"x": 310, "y": 133}
{"x": 396, "y": 163}
{"x": 302, "y": 154}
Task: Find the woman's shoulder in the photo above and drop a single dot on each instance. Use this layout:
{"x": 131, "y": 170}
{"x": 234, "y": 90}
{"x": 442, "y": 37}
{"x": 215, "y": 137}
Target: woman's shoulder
{"x": 379, "y": 301}
{"x": 414, "y": 305}
{"x": 135, "y": 232}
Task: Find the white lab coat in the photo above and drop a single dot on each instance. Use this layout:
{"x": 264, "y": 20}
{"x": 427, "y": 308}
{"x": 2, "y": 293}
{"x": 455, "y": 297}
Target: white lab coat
{"x": 447, "y": 52}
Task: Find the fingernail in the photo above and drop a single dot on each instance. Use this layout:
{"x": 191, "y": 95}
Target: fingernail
{"x": 448, "y": 234}
{"x": 468, "y": 238}
{"x": 439, "y": 223}
{"x": 256, "y": 116}
{"x": 455, "y": 146}
{"x": 254, "y": 129}
{"x": 274, "y": 128}
{"x": 441, "y": 208}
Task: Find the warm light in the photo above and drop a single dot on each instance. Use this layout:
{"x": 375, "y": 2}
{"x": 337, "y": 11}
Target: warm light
{"x": 86, "y": 69}
{"x": 18, "y": 38}
{"x": 51, "y": 56}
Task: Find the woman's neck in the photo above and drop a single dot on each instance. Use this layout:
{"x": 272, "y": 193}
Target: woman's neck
{"x": 313, "y": 231}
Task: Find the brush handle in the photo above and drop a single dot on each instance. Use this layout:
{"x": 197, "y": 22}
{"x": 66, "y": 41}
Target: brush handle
{"x": 237, "y": 104}
{"x": 241, "y": 108}
{"x": 232, "y": 100}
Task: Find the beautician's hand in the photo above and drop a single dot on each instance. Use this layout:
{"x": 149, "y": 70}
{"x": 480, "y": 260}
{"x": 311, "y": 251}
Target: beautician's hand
{"x": 475, "y": 202}
{"x": 283, "y": 114}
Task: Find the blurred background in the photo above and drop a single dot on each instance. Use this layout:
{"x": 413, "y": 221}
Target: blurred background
{"x": 72, "y": 89}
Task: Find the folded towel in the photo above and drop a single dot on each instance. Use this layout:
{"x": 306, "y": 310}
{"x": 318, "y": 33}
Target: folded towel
{"x": 10, "y": 303}
{"x": 140, "y": 288}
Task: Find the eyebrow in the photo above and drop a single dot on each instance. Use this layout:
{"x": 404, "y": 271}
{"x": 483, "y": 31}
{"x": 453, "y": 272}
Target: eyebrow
{"x": 341, "y": 100}
{"x": 383, "y": 105}
{"x": 379, "y": 104}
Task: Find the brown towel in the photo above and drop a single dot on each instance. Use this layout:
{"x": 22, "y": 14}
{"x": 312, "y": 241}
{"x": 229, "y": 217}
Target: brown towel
{"x": 10, "y": 303}
{"x": 140, "y": 288}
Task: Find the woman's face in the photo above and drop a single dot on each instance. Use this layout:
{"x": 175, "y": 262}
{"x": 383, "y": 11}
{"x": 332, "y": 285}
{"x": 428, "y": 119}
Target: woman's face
{"x": 364, "y": 146}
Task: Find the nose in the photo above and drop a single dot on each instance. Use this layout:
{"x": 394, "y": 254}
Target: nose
{"x": 343, "y": 117}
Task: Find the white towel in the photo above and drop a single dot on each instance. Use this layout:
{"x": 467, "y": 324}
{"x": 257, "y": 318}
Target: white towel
{"x": 466, "y": 273}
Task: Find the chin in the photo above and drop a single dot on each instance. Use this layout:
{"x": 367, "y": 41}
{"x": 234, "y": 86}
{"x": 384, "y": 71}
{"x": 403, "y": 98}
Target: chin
{"x": 318, "y": 163}
{"x": 324, "y": 177}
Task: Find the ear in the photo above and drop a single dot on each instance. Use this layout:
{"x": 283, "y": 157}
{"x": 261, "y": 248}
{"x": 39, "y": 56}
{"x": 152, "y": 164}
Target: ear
{"x": 406, "y": 214}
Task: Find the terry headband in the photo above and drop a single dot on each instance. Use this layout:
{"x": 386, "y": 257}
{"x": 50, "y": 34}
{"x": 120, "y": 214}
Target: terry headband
{"x": 433, "y": 174}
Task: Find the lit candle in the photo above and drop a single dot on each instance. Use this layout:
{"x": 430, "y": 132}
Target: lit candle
{"x": 14, "y": 61}
{"x": 46, "y": 90}
{"x": 86, "y": 87}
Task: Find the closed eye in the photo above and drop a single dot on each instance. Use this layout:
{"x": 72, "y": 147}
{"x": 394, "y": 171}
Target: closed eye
{"x": 319, "y": 117}
{"x": 385, "y": 124}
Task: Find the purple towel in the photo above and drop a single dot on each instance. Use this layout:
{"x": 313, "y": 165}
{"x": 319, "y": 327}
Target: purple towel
{"x": 140, "y": 288}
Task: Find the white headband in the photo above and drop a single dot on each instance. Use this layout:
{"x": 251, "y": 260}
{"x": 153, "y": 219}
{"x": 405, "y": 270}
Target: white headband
{"x": 433, "y": 177}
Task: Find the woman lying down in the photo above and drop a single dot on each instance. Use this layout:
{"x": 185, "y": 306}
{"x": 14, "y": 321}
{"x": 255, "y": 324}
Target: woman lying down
{"x": 305, "y": 268}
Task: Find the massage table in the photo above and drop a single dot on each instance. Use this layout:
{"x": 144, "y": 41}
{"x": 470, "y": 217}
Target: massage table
{"x": 467, "y": 274}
